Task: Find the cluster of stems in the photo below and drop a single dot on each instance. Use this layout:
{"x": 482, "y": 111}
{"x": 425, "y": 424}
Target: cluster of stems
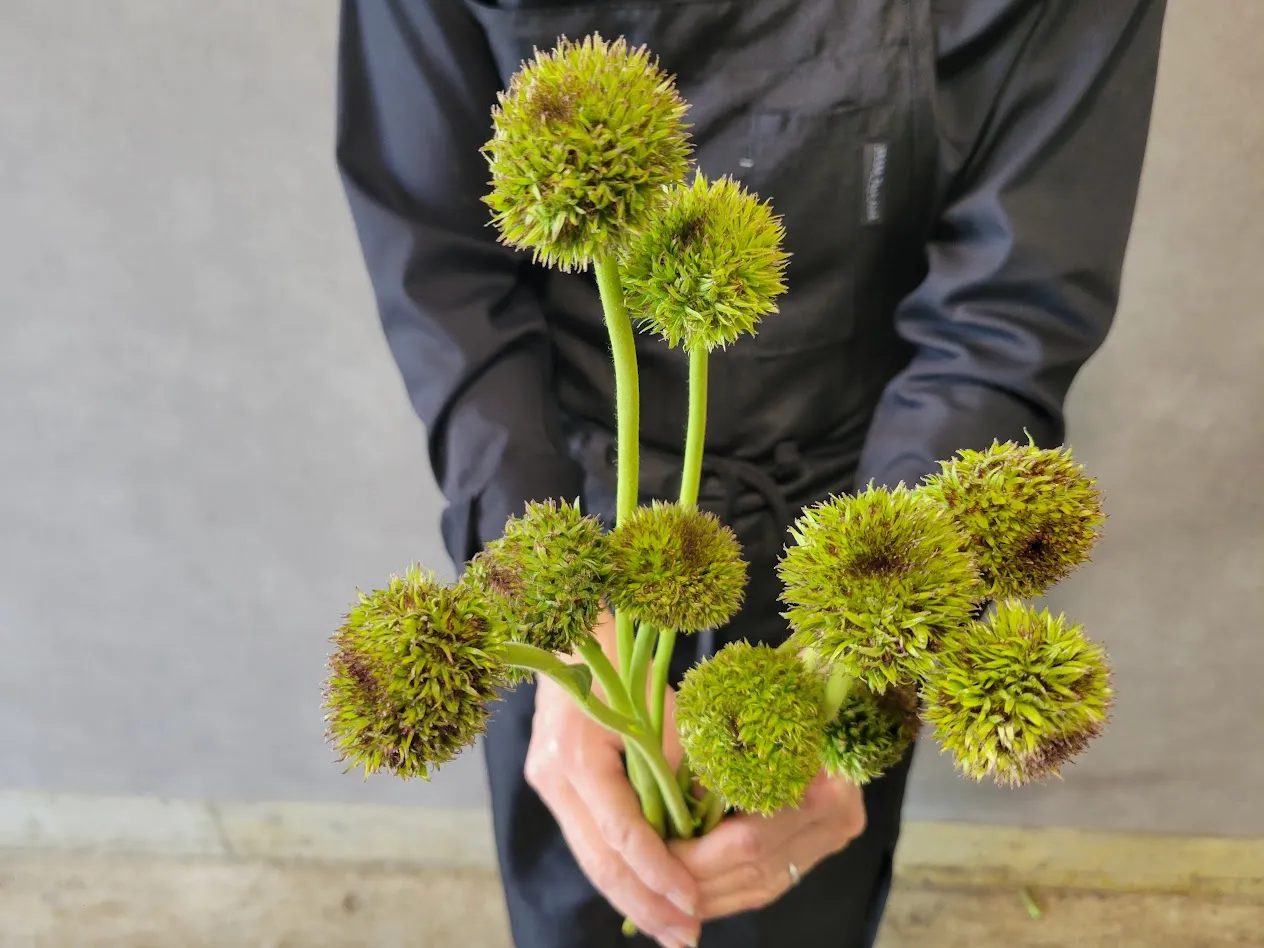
{"x": 633, "y": 686}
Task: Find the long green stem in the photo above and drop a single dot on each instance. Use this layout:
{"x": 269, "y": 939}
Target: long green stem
{"x": 627, "y": 385}
{"x": 690, "y": 481}
{"x": 638, "y": 679}
{"x": 665, "y": 777}
{"x": 628, "y": 411}
{"x": 714, "y": 812}
{"x": 696, "y": 433}
{"x": 658, "y": 681}
{"x": 625, "y": 636}
{"x": 652, "y": 803}
{"x": 642, "y": 780}
{"x": 617, "y": 694}
{"x": 837, "y": 687}
{"x": 572, "y": 678}
{"x": 638, "y": 769}
{"x": 606, "y": 674}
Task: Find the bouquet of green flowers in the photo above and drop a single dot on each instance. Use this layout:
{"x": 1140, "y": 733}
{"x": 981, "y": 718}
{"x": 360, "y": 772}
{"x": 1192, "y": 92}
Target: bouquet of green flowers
{"x": 905, "y": 605}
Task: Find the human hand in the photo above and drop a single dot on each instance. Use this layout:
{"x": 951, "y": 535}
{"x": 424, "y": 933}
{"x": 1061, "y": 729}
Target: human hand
{"x": 744, "y": 863}
{"x": 575, "y": 765}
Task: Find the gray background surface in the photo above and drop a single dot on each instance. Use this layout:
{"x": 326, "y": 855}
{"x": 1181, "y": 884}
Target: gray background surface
{"x": 204, "y": 446}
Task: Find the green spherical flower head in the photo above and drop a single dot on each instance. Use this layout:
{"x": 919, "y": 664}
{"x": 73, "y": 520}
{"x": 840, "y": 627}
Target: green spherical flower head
{"x": 751, "y": 720}
{"x": 546, "y": 575}
{"x": 708, "y": 268}
{"x": 870, "y": 733}
{"x": 413, "y": 669}
{"x": 876, "y": 581}
{"x": 585, "y": 140}
{"x": 1032, "y": 514}
{"x": 676, "y": 568}
{"x": 1017, "y": 696}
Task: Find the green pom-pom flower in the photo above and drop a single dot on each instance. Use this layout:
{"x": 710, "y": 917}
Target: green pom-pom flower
{"x": 585, "y": 140}
{"x": 546, "y": 575}
{"x": 413, "y": 669}
{"x": 875, "y": 582}
{"x": 708, "y": 268}
{"x": 751, "y": 720}
{"x": 676, "y": 568}
{"x": 870, "y": 733}
{"x": 1019, "y": 695}
{"x": 1032, "y": 515}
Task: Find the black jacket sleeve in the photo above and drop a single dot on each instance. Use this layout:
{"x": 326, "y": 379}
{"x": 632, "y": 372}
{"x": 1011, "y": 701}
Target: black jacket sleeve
{"x": 1043, "y": 112}
{"x": 416, "y": 86}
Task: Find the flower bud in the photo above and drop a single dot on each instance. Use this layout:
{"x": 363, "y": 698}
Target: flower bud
{"x": 676, "y": 568}
{"x": 585, "y": 140}
{"x": 413, "y": 669}
{"x": 875, "y": 582}
{"x": 1032, "y": 515}
{"x": 751, "y": 720}
{"x": 1018, "y": 695}
{"x": 546, "y": 575}
{"x": 709, "y": 266}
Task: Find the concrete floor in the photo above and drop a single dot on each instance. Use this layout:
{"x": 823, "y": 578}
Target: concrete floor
{"x": 50, "y": 901}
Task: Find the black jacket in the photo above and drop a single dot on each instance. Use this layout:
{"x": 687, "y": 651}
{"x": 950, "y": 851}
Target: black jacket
{"x": 957, "y": 180}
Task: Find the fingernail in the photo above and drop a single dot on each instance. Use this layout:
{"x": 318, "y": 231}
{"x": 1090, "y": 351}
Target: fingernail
{"x": 682, "y": 902}
{"x": 686, "y": 939}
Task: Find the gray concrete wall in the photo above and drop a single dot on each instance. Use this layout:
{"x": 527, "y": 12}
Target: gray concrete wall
{"x": 205, "y": 446}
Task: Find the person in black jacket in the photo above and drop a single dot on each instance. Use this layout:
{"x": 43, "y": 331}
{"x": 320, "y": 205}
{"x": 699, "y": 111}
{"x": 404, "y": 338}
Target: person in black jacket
{"x": 957, "y": 180}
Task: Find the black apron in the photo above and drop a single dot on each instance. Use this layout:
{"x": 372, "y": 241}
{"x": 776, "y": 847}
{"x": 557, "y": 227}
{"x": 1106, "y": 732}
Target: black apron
{"x": 822, "y": 107}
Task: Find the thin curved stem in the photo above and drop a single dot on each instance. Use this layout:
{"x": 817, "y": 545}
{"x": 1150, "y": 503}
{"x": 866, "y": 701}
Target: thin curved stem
{"x": 577, "y": 680}
{"x": 837, "y": 687}
{"x": 642, "y": 655}
{"x": 665, "y": 777}
{"x": 690, "y": 481}
{"x": 684, "y": 777}
{"x": 628, "y": 411}
{"x": 647, "y": 791}
{"x": 696, "y": 433}
{"x": 625, "y": 636}
{"x": 646, "y": 744}
{"x": 606, "y": 674}
{"x": 638, "y": 771}
{"x": 658, "y": 681}
{"x": 627, "y": 384}
{"x": 652, "y": 800}
{"x": 714, "y": 813}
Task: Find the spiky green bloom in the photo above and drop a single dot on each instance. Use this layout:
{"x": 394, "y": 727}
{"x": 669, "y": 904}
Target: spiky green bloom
{"x": 752, "y": 721}
{"x": 1018, "y": 695}
{"x": 875, "y": 581}
{"x": 1032, "y": 514}
{"x": 546, "y": 575}
{"x": 870, "y": 733}
{"x": 413, "y": 669}
{"x": 676, "y": 568}
{"x": 708, "y": 268}
{"x": 585, "y": 140}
